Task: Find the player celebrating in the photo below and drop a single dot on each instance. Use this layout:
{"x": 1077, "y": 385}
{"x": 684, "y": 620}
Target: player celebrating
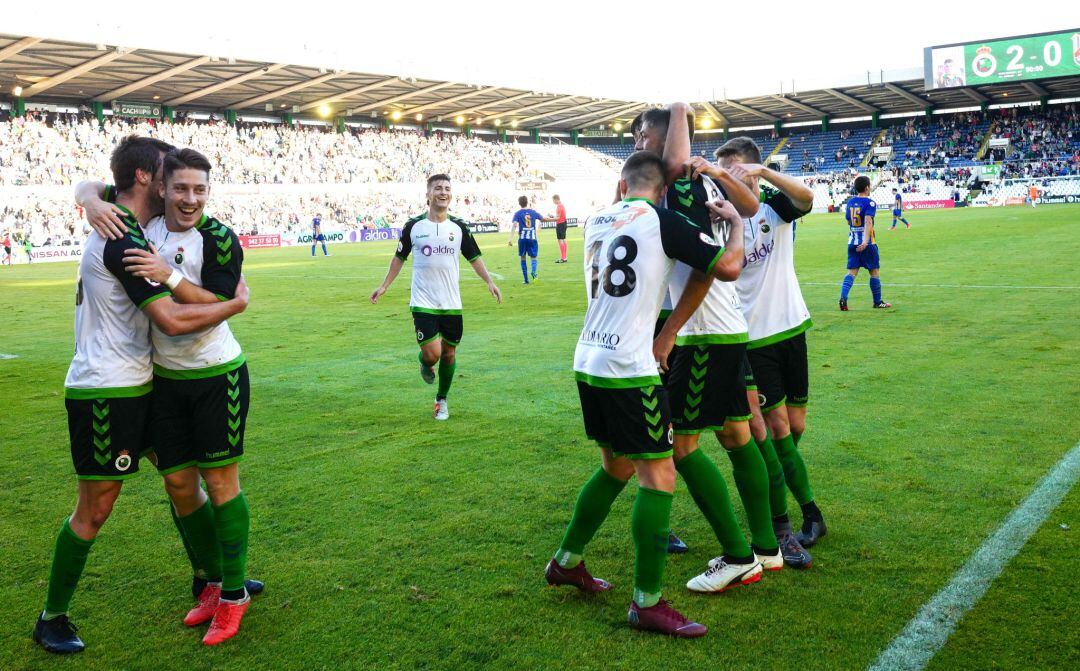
{"x": 317, "y": 235}
{"x": 898, "y": 210}
{"x": 777, "y": 319}
{"x": 109, "y": 381}
{"x": 201, "y": 391}
{"x": 526, "y": 222}
{"x": 560, "y": 227}
{"x": 436, "y": 298}
{"x": 630, "y": 251}
{"x": 862, "y": 247}
{"x": 706, "y": 381}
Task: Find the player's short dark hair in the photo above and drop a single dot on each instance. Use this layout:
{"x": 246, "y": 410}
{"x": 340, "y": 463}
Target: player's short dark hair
{"x": 862, "y": 183}
{"x": 556, "y": 197}
{"x": 659, "y": 118}
{"x": 644, "y": 170}
{"x": 179, "y": 159}
{"x": 136, "y": 152}
{"x": 523, "y": 201}
{"x": 440, "y": 177}
{"x": 741, "y": 146}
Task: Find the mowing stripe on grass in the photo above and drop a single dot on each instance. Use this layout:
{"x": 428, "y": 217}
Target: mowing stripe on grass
{"x": 952, "y": 286}
{"x": 927, "y": 632}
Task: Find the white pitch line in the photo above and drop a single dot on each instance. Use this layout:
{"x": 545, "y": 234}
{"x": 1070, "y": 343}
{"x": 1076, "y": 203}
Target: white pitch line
{"x": 8, "y": 356}
{"x": 927, "y": 632}
{"x": 952, "y": 286}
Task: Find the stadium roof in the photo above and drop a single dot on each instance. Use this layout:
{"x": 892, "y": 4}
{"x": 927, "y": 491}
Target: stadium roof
{"x": 63, "y": 72}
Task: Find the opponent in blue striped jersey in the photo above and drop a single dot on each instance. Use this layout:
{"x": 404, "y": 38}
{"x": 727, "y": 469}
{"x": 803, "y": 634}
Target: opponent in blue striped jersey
{"x": 317, "y": 236}
{"x": 862, "y": 247}
{"x": 898, "y": 210}
{"x": 526, "y": 223}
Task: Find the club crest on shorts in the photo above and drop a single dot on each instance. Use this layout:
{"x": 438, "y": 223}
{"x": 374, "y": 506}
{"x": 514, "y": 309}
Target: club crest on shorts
{"x": 419, "y": 336}
{"x": 123, "y": 462}
{"x": 670, "y": 434}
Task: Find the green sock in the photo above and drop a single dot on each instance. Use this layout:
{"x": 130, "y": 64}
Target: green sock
{"x": 777, "y": 486}
{"x": 446, "y": 378}
{"x": 69, "y": 559}
{"x": 592, "y": 508}
{"x": 650, "y": 522}
{"x": 794, "y": 469}
{"x": 710, "y": 493}
{"x": 195, "y": 569}
{"x": 752, "y": 481}
{"x": 201, "y": 539}
{"x": 232, "y": 520}
{"x": 796, "y": 437}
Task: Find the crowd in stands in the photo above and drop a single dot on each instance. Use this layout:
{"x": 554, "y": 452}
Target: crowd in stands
{"x": 944, "y": 140}
{"x": 66, "y": 148}
{"x": 1046, "y": 137}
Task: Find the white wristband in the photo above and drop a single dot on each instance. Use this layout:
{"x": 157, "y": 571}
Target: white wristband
{"x": 174, "y": 280}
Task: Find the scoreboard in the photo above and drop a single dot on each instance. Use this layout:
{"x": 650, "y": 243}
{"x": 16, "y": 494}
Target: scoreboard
{"x": 1009, "y": 59}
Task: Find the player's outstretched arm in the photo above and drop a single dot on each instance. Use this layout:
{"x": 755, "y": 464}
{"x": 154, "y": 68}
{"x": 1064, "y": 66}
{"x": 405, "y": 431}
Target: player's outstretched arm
{"x": 175, "y": 319}
{"x": 482, "y": 271}
{"x": 801, "y": 196}
{"x": 396, "y": 264}
{"x": 697, "y": 287}
{"x": 677, "y": 142}
{"x": 152, "y": 266}
{"x": 104, "y": 217}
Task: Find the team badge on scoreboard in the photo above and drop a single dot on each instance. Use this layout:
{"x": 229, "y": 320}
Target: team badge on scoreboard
{"x": 984, "y": 63}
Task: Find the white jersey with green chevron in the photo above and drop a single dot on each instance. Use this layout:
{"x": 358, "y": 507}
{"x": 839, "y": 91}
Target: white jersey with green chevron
{"x": 208, "y": 255}
{"x": 771, "y": 298}
{"x": 720, "y": 318}
{"x": 630, "y": 249}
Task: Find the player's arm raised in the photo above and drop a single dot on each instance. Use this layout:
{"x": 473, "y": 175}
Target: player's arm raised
{"x": 677, "y": 143}
{"x": 103, "y": 216}
{"x": 800, "y": 195}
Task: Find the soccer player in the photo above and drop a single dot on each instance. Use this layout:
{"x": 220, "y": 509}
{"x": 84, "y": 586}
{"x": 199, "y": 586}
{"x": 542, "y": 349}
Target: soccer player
{"x": 560, "y": 226}
{"x": 435, "y": 302}
{"x": 28, "y": 248}
{"x": 201, "y": 391}
{"x": 317, "y": 235}
{"x": 630, "y": 248}
{"x": 103, "y": 214}
{"x": 526, "y": 222}
{"x": 7, "y": 248}
{"x": 108, "y": 384}
{"x": 706, "y": 382}
{"x": 898, "y": 210}
{"x": 862, "y": 247}
{"x": 777, "y": 319}
{"x": 1033, "y": 194}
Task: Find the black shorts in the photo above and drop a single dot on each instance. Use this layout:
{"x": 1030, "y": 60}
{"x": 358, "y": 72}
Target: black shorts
{"x": 633, "y": 422}
{"x": 707, "y": 384}
{"x": 660, "y": 321}
{"x": 780, "y": 370}
{"x": 748, "y": 374}
{"x": 429, "y": 326}
{"x": 200, "y": 422}
{"x": 108, "y": 435}
{"x": 560, "y": 231}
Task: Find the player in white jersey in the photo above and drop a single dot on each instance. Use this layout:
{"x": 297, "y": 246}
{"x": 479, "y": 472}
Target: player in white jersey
{"x": 108, "y": 384}
{"x": 201, "y": 391}
{"x": 630, "y": 251}
{"x": 778, "y": 319}
{"x": 706, "y": 382}
{"x": 438, "y": 240}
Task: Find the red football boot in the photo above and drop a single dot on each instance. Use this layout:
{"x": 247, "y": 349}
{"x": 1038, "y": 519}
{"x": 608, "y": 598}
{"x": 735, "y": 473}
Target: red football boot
{"x": 664, "y": 619}
{"x": 205, "y": 609}
{"x": 578, "y": 577}
{"x": 226, "y": 622}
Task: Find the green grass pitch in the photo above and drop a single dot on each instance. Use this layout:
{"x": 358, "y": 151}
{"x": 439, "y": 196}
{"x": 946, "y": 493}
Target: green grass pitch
{"x": 388, "y": 540}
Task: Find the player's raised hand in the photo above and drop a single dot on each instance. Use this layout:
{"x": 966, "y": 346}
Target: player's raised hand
{"x": 722, "y": 210}
{"x": 495, "y": 292}
{"x": 749, "y": 169}
{"x": 105, "y": 218}
{"x": 378, "y": 292}
{"x": 147, "y": 263}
